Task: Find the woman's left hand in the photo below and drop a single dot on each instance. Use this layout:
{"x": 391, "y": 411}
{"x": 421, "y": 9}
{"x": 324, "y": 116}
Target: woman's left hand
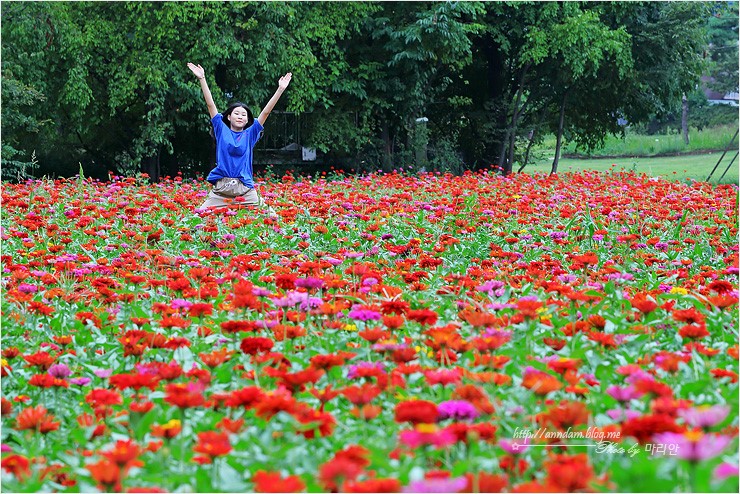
{"x": 285, "y": 80}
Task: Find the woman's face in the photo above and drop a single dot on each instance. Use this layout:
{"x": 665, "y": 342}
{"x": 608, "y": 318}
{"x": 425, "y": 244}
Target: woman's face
{"x": 238, "y": 118}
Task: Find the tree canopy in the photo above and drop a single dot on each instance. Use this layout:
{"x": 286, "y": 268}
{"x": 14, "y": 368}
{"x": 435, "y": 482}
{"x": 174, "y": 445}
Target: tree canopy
{"x": 105, "y": 85}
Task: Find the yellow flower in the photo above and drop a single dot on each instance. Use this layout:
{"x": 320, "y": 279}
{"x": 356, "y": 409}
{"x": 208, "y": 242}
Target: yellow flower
{"x": 679, "y": 290}
{"x": 516, "y": 196}
{"x": 426, "y": 428}
{"x": 172, "y": 424}
{"x": 349, "y": 327}
{"x": 4, "y": 363}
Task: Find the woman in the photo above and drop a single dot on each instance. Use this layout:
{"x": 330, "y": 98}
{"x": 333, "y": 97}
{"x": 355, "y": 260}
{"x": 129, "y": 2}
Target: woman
{"x": 236, "y": 134}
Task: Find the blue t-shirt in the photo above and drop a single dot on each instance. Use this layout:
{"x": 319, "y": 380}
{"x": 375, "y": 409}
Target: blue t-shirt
{"x": 234, "y": 151}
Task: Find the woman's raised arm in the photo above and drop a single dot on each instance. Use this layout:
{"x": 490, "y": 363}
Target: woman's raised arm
{"x": 201, "y": 75}
{"x": 282, "y": 85}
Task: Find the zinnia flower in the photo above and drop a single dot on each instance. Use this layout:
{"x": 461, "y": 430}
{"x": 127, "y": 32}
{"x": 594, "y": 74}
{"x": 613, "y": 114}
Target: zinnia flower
{"x": 694, "y": 446}
{"x": 437, "y": 485}
{"x": 457, "y": 410}
{"x": 704, "y": 416}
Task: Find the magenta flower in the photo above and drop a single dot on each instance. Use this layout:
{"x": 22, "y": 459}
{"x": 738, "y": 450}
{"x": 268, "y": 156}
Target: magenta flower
{"x": 694, "y": 446}
{"x": 60, "y": 371}
{"x": 704, "y": 416}
{"x": 514, "y": 446}
{"x": 309, "y": 282}
{"x": 421, "y": 436}
{"x": 725, "y": 470}
{"x": 80, "y": 381}
{"x": 364, "y": 314}
{"x": 456, "y": 410}
{"x": 437, "y": 485}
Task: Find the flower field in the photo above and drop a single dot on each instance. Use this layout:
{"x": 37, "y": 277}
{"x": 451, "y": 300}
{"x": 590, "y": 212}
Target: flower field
{"x": 384, "y": 333}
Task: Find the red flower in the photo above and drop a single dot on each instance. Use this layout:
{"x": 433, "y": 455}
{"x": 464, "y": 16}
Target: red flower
{"x": 185, "y": 395}
{"x": 136, "y": 381}
{"x": 336, "y": 471}
{"x": 42, "y": 360}
{"x": 374, "y": 485}
{"x": 103, "y": 398}
{"x": 361, "y": 395}
{"x": 416, "y": 412}
{"x": 124, "y": 454}
{"x": 425, "y": 317}
{"x": 246, "y": 397}
{"x": 486, "y": 482}
{"x": 274, "y": 482}
{"x": 17, "y": 465}
{"x": 255, "y": 345}
{"x": 642, "y": 428}
{"x": 566, "y": 473}
{"x": 694, "y": 331}
{"x": 236, "y": 326}
{"x": 213, "y": 444}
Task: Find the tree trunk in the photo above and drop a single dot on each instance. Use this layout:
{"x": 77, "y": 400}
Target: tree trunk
{"x": 533, "y": 137}
{"x": 515, "y": 119}
{"x": 559, "y": 142}
{"x": 385, "y": 135}
{"x": 502, "y": 153}
{"x": 151, "y": 167}
{"x": 685, "y": 119}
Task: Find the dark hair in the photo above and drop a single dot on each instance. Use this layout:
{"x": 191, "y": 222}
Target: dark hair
{"x": 232, "y": 107}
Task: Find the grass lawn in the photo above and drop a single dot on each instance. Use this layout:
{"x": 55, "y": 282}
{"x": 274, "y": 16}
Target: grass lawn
{"x": 695, "y": 166}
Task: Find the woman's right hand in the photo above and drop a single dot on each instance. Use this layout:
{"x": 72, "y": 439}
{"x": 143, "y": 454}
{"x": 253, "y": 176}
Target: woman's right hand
{"x": 197, "y": 70}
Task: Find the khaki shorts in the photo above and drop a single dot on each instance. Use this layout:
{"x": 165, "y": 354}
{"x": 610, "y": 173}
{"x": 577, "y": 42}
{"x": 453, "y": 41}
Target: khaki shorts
{"x": 250, "y": 198}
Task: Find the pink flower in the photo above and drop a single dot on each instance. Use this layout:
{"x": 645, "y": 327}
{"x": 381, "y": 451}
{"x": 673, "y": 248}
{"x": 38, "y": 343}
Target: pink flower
{"x": 620, "y": 415}
{"x": 725, "y": 470}
{"x": 704, "y": 416}
{"x": 437, "y": 485}
{"x": 427, "y": 434}
{"x": 694, "y": 445}
{"x": 514, "y": 446}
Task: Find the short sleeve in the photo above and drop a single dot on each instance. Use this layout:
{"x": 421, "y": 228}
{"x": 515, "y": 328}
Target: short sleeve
{"x": 255, "y": 132}
{"x": 218, "y": 123}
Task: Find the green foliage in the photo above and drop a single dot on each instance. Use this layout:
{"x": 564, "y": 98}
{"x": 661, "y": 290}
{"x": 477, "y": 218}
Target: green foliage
{"x": 722, "y": 33}
{"x": 485, "y": 74}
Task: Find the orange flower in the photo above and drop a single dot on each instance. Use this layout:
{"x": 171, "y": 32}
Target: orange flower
{"x": 217, "y": 357}
{"x": 36, "y": 418}
{"x": 565, "y": 414}
{"x": 539, "y": 382}
{"x": 107, "y": 474}
{"x": 168, "y": 430}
